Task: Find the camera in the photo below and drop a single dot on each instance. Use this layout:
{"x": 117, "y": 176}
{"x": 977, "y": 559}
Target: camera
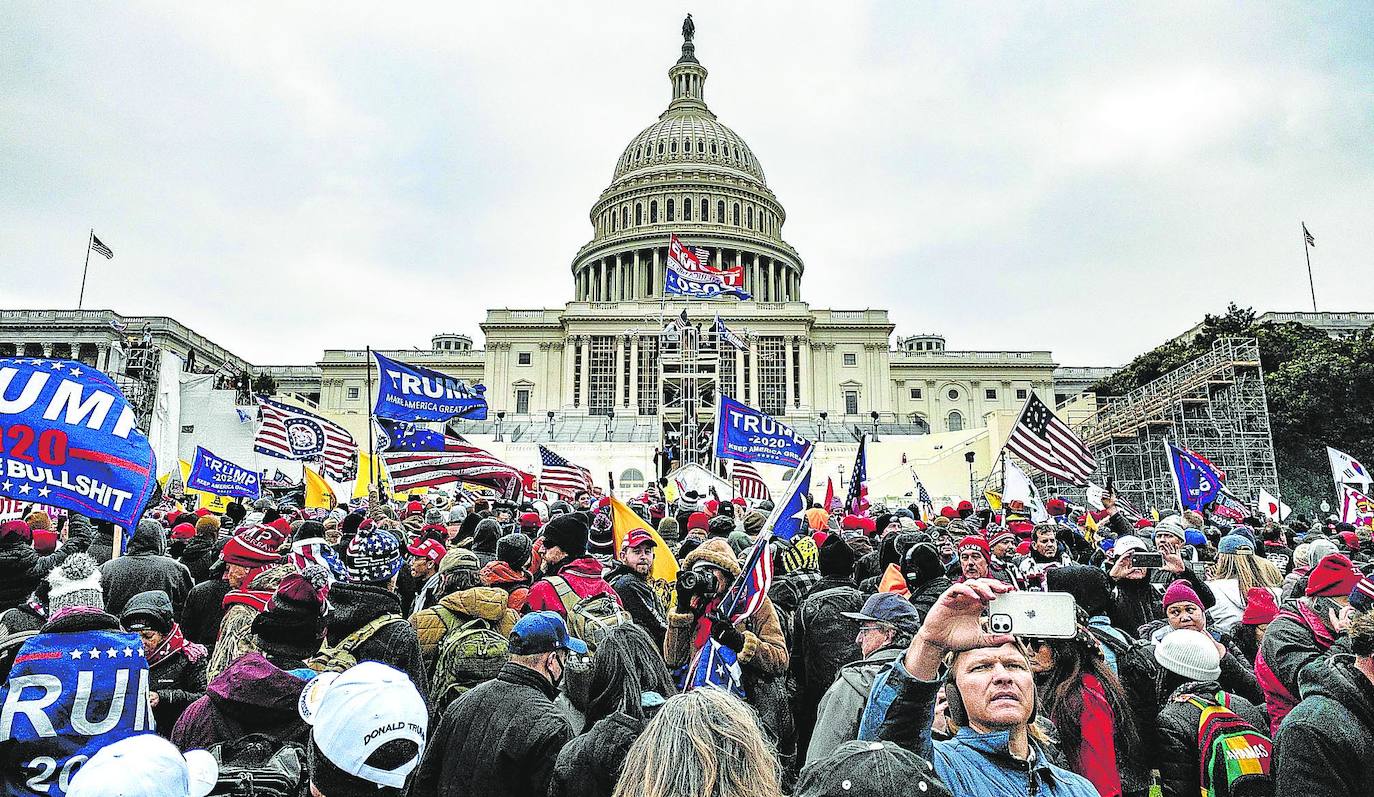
{"x": 698, "y": 582}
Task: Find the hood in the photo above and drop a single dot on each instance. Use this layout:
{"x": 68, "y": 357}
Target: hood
{"x": 714, "y": 552}
{"x": 254, "y": 683}
{"x": 486, "y": 533}
{"x": 153, "y": 602}
{"x": 487, "y": 603}
{"x": 498, "y": 572}
{"x": 351, "y": 606}
{"x": 148, "y": 539}
{"x": 1337, "y": 679}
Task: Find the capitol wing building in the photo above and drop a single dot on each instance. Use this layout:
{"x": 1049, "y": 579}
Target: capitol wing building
{"x": 613, "y": 378}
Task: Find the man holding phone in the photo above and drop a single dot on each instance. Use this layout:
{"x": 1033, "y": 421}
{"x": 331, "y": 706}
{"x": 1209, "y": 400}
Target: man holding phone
{"x": 1141, "y": 576}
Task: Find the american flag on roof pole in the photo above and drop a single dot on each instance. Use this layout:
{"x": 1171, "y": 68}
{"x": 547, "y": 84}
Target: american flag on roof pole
{"x": 857, "y": 502}
{"x": 293, "y": 433}
{"x": 558, "y": 475}
{"x": 1043, "y": 441}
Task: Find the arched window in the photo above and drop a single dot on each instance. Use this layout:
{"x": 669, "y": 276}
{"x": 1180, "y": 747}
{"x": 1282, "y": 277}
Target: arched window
{"x": 735, "y": 217}
{"x": 749, "y": 216}
{"x": 632, "y": 479}
{"x": 668, "y": 208}
{"x": 713, "y": 149}
{"x": 687, "y": 209}
{"x": 704, "y": 206}
{"x": 612, "y": 223}
{"x": 701, "y": 145}
{"x": 653, "y": 212}
{"x": 955, "y": 421}
{"x": 639, "y": 214}
{"x": 720, "y": 212}
{"x": 660, "y": 147}
{"x": 624, "y": 216}
{"x": 686, "y": 145}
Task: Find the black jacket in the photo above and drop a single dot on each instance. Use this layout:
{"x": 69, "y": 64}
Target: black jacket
{"x": 25, "y": 617}
{"x": 204, "y": 611}
{"x": 199, "y": 555}
{"x": 1139, "y": 601}
{"x": 353, "y": 606}
{"x": 145, "y": 566}
{"x": 177, "y": 679}
{"x": 822, "y": 642}
{"x": 590, "y": 765}
{"x": 1177, "y": 721}
{"x": 501, "y": 738}
{"x": 21, "y": 567}
{"x": 102, "y": 544}
{"x": 925, "y": 597}
{"x": 1323, "y": 746}
{"x": 640, "y": 600}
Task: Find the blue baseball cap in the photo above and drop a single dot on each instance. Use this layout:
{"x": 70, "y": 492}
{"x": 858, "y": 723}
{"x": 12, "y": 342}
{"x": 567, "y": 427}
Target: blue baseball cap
{"x": 888, "y": 607}
{"x": 543, "y": 632}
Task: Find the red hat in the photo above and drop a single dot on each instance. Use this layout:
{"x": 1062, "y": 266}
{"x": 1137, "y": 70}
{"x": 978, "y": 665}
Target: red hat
{"x": 1181, "y": 592}
{"x": 921, "y": 525}
{"x": 964, "y": 505}
{"x": 1005, "y": 535}
{"x": 1021, "y": 528}
{"x": 1057, "y": 506}
{"x": 850, "y": 522}
{"x": 1351, "y": 540}
{"x": 949, "y": 512}
{"x": 253, "y": 546}
{"x": 638, "y": 537}
{"x": 1144, "y": 523}
{"x": 1016, "y": 505}
{"x": 282, "y": 525}
{"x": 529, "y": 520}
{"x": 415, "y": 508}
{"x": 820, "y": 537}
{"x": 1023, "y": 547}
{"x": 16, "y": 528}
{"x": 698, "y": 520}
{"x": 202, "y": 512}
{"x": 434, "y": 531}
{"x": 1333, "y": 577}
{"x": 183, "y": 531}
{"x": 739, "y": 502}
{"x": 426, "y": 548}
{"x": 1260, "y": 607}
{"x": 712, "y": 506}
{"x": 975, "y": 543}
{"x": 44, "y": 541}
{"x": 868, "y": 525}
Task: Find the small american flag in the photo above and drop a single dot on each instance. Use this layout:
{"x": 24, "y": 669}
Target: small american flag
{"x": 857, "y": 501}
{"x": 100, "y": 248}
{"x": 558, "y": 475}
{"x": 1046, "y": 442}
{"x": 746, "y": 595}
{"x": 293, "y": 433}
{"x": 748, "y": 483}
{"x": 1307, "y": 236}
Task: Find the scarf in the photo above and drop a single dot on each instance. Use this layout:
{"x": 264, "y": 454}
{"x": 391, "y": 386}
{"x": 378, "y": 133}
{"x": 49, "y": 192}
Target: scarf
{"x": 703, "y": 630}
{"x": 255, "y": 598}
{"x": 173, "y": 644}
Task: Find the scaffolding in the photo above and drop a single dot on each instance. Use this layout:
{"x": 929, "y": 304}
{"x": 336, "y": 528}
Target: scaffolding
{"x": 689, "y": 359}
{"x": 1214, "y": 406}
{"x": 138, "y": 378}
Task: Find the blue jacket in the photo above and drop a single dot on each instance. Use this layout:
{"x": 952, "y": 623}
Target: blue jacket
{"x": 975, "y": 764}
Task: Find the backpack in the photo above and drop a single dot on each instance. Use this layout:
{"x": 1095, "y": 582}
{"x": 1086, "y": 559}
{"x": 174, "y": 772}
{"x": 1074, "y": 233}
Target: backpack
{"x": 589, "y": 619}
{"x": 258, "y": 765}
{"x": 337, "y": 658}
{"x": 1233, "y": 756}
{"x": 468, "y": 654}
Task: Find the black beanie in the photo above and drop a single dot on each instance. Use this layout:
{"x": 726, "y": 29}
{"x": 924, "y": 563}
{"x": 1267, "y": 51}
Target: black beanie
{"x": 348, "y": 527}
{"x": 235, "y": 511}
{"x": 295, "y": 612}
{"x": 309, "y": 530}
{"x": 836, "y": 557}
{"x": 921, "y": 564}
{"x": 568, "y": 533}
{"x": 514, "y": 550}
{"x": 1091, "y": 588}
{"x": 720, "y": 527}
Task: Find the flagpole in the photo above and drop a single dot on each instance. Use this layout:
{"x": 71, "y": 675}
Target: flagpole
{"x": 1307, "y": 252}
{"x": 90, "y": 238}
{"x": 371, "y": 406}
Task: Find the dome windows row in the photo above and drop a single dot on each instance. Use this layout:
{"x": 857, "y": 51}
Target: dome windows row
{"x": 654, "y": 148}
{"x": 687, "y": 209}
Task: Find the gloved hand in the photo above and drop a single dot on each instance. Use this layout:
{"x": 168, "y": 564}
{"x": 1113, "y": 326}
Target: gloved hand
{"x": 684, "y": 600}
{"x": 724, "y": 632}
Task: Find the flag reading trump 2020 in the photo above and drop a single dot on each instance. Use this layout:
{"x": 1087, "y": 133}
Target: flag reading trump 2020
{"x": 749, "y": 435}
{"x": 68, "y": 438}
{"x": 411, "y": 393}
{"x": 220, "y": 476}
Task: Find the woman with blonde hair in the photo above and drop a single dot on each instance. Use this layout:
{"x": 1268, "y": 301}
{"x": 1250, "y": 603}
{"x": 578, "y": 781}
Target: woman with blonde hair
{"x": 704, "y": 743}
{"x": 1235, "y": 572}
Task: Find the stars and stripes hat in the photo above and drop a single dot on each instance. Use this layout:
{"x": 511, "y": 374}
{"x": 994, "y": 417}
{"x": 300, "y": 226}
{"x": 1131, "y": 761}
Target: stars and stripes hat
{"x": 373, "y": 556}
{"x": 75, "y": 582}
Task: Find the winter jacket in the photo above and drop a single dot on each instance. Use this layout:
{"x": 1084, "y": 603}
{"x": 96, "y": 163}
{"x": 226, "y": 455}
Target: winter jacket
{"x": 516, "y": 583}
{"x": 1139, "y": 601}
{"x": 927, "y": 594}
{"x": 482, "y": 603}
{"x": 1177, "y": 722}
{"x": 786, "y": 593}
{"x": 1322, "y": 749}
{"x": 640, "y": 600}
{"x": 501, "y": 738}
{"x": 178, "y": 678}
{"x": 583, "y": 576}
{"x": 1294, "y": 641}
{"x": 590, "y": 764}
{"x": 145, "y": 566}
{"x": 822, "y": 642}
{"x": 252, "y": 696}
{"x": 353, "y": 606}
{"x": 841, "y": 710}
{"x": 21, "y": 567}
{"x": 102, "y": 543}
{"x": 975, "y": 764}
{"x": 199, "y": 556}
{"x": 203, "y": 612}
{"x": 236, "y": 635}
{"x": 765, "y": 650}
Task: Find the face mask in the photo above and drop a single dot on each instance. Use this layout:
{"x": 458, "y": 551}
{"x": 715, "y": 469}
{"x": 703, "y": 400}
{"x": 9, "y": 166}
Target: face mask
{"x": 562, "y": 670}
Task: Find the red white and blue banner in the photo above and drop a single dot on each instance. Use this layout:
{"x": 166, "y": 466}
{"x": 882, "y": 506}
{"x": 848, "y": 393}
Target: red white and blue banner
{"x": 219, "y": 476}
{"x": 687, "y": 276}
{"x": 749, "y": 435}
{"x": 1197, "y": 481}
{"x": 68, "y": 438}
{"x": 411, "y": 393}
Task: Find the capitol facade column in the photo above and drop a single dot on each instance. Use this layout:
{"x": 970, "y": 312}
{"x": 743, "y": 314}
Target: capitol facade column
{"x": 618, "y": 352}
{"x": 565, "y": 389}
{"x": 584, "y": 344}
{"x": 634, "y": 374}
{"x": 787, "y": 402}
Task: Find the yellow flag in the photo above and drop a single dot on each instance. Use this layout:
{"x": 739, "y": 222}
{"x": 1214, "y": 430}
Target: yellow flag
{"x": 318, "y": 493}
{"x": 670, "y": 492}
{"x": 368, "y": 465}
{"x": 664, "y": 573}
{"x": 994, "y": 500}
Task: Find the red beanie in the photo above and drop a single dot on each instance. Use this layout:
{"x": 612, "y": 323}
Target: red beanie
{"x": 1333, "y": 577}
{"x": 868, "y": 525}
{"x": 975, "y": 543}
{"x": 15, "y": 528}
{"x": 698, "y": 520}
{"x": 1181, "y": 591}
{"x": 44, "y": 541}
{"x": 1144, "y": 523}
{"x": 820, "y": 537}
{"x": 850, "y": 522}
{"x": 282, "y": 525}
{"x": 1260, "y": 607}
{"x": 1056, "y": 507}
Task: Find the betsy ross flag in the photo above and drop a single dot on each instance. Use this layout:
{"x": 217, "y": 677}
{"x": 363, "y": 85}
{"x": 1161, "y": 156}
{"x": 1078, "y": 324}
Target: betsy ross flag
{"x": 558, "y": 475}
{"x": 857, "y": 502}
{"x": 418, "y": 457}
{"x": 293, "y": 433}
{"x": 100, "y": 248}
{"x": 747, "y": 482}
{"x": 1047, "y": 443}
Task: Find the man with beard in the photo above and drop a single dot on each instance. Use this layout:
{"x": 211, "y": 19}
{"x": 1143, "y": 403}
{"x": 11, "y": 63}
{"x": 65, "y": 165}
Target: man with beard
{"x": 630, "y": 580}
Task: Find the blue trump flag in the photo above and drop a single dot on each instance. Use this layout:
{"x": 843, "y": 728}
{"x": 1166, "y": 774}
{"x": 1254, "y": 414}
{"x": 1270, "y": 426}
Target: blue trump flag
{"x": 68, "y": 695}
{"x": 221, "y": 477}
{"x": 411, "y": 393}
{"x": 750, "y": 435}
{"x": 71, "y": 440}
{"x": 1198, "y": 483}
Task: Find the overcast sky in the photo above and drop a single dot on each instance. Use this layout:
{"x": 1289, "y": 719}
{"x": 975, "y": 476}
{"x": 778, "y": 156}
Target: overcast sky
{"x": 1084, "y": 178}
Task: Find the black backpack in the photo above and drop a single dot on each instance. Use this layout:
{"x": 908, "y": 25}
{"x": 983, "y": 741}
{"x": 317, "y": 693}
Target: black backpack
{"x": 258, "y": 765}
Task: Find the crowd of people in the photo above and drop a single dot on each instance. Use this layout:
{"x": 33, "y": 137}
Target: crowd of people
{"x": 445, "y": 645}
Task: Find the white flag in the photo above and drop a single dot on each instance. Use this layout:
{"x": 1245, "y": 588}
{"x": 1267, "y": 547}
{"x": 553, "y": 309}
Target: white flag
{"x": 1018, "y": 487}
{"x": 1095, "y": 495}
{"x": 1345, "y": 469}
{"x": 1272, "y": 507}
{"x": 1356, "y": 507}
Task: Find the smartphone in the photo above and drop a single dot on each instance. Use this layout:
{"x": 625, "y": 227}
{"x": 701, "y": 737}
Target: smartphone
{"x": 1049, "y": 615}
{"x": 1147, "y": 559}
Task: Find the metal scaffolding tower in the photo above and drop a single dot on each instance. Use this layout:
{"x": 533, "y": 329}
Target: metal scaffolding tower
{"x": 1214, "y": 405}
{"x": 689, "y": 359}
{"x": 138, "y": 378}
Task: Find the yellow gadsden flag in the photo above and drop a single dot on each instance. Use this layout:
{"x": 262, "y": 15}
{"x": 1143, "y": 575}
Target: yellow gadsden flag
{"x": 318, "y": 493}
{"x": 367, "y": 465}
{"x": 664, "y": 573}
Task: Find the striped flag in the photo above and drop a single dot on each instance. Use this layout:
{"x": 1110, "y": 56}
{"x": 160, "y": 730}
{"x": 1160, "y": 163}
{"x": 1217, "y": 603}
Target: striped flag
{"x": 293, "y": 433}
{"x": 748, "y": 483}
{"x": 558, "y": 475}
{"x": 1047, "y": 443}
{"x": 100, "y": 248}
{"x": 419, "y": 457}
{"x": 857, "y": 502}
{"x": 1307, "y": 236}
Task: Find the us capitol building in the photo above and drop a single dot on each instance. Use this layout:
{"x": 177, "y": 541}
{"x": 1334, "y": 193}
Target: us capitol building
{"x": 612, "y": 378}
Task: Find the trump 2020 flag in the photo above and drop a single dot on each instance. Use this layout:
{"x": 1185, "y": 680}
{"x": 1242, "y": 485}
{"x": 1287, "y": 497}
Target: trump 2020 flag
{"x": 1197, "y": 482}
{"x": 68, "y": 695}
{"x": 411, "y": 393}
{"x": 72, "y": 441}
{"x": 686, "y": 275}
{"x": 220, "y": 476}
{"x": 749, "y": 435}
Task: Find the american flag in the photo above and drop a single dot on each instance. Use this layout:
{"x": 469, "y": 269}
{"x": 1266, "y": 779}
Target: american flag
{"x": 419, "y": 457}
{"x": 1046, "y": 442}
{"x": 101, "y": 249}
{"x": 748, "y": 483}
{"x": 857, "y": 501}
{"x": 714, "y": 665}
{"x": 558, "y": 475}
{"x": 293, "y": 433}
{"x": 1307, "y": 236}
{"x": 747, "y": 593}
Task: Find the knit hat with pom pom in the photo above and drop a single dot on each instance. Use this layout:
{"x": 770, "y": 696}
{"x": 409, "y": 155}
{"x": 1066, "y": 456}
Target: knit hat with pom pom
{"x": 75, "y": 582}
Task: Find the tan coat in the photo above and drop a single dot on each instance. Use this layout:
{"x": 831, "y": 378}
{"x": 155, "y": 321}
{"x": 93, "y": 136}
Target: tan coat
{"x": 486, "y": 603}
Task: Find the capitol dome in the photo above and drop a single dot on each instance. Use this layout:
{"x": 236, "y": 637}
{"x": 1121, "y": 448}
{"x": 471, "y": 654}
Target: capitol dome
{"x": 686, "y": 174}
